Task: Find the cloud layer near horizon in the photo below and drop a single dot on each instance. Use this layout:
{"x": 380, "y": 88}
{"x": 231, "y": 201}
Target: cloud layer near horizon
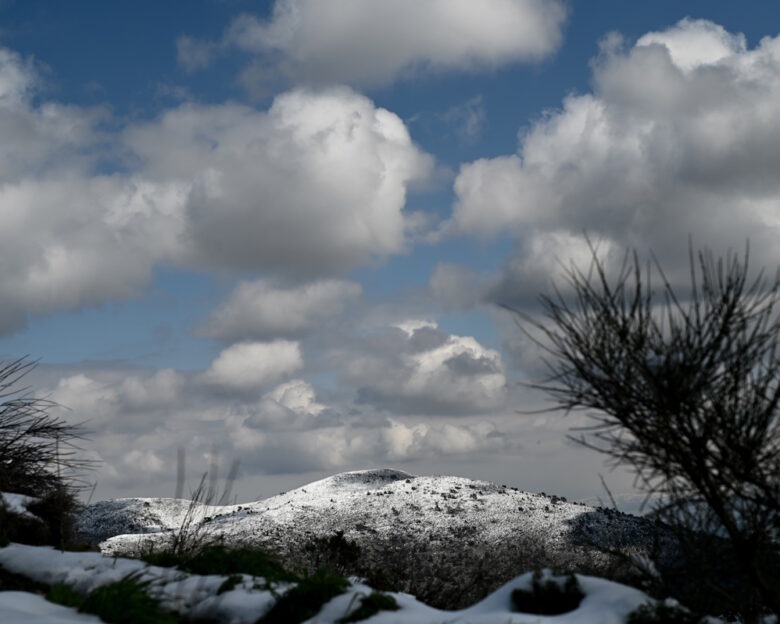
{"x": 252, "y": 404}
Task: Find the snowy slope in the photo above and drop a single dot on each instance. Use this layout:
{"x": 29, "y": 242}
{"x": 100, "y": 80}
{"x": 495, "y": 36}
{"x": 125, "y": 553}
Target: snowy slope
{"x": 448, "y": 540}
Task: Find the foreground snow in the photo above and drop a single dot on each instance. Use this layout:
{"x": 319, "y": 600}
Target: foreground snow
{"x": 196, "y": 596}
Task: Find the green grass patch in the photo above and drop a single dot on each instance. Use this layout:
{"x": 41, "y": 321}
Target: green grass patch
{"x": 371, "y": 605}
{"x": 123, "y": 602}
{"x": 547, "y": 597}
{"x": 306, "y": 599}
{"x": 225, "y": 562}
{"x": 64, "y": 595}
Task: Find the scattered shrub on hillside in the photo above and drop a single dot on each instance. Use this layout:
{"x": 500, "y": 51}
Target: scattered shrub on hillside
{"x": 335, "y": 552}
{"x": 369, "y": 606}
{"x": 547, "y": 596}
{"x": 306, "y": 599}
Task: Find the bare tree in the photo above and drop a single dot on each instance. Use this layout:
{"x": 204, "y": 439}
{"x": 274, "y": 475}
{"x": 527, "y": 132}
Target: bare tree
{"x": 685, "y": 393}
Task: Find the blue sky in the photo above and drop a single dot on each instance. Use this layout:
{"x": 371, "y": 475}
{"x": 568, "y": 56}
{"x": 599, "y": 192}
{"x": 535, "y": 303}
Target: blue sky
{"x": 279, "y": 233}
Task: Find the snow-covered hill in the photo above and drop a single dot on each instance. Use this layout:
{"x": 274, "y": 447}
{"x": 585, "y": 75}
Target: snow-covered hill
{"x": 447, "y": 540}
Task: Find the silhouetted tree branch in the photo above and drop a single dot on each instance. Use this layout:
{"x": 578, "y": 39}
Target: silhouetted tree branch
{"x": 38, "y": 451}
{"x": 685, "y": 393}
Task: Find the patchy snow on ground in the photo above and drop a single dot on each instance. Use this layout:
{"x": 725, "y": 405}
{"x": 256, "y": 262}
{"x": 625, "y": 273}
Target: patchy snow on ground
{"x": 196, "y": 596}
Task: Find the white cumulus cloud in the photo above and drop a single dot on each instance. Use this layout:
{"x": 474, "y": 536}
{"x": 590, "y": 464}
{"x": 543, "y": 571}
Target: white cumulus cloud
{"x": 249, "y": 366}
{"x": 315, "y": 184}
{"x": 694, "y": 43}
{"x": 262, "y": 309}
{"x": 681, "y": 135}
{"x": 417, "y": 369}
{"x": 373, "y": 42}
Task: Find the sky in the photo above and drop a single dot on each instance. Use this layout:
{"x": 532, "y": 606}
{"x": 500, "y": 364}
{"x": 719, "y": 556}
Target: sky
{"x": 280, "y": 232}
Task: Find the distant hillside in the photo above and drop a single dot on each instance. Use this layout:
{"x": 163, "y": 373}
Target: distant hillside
{"x": 448, "y": 540}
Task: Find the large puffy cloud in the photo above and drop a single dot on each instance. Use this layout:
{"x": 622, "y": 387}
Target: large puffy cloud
{"x": 262, "y": 309}
{"x": 70, "y": 241}
{"x": 418, "y": 440}
{"x": 70, "y": 237}
{"x": 680, "y": 136}
{"x": 314, "y": 185}
{"x": 374, "y": 42}
{"x": 694, "y": 43}
{"x": 37, "y": 137}
{"x": 416, "y": 369}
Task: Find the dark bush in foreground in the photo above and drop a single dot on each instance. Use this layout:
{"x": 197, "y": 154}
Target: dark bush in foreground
{"x": 685, "y": 391}
{"x": 10, "y": 581}
{"x": 15, "y": 527}
{"x": 371, "y": 605}
{"x": 306, "y": 599}
{"x": 123, "y": 602}
{"x": 223, "y": 561}
{"x": 661, "y": 613}
{"x": 547, "y": 597}
{"x": 38, "y": 458}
